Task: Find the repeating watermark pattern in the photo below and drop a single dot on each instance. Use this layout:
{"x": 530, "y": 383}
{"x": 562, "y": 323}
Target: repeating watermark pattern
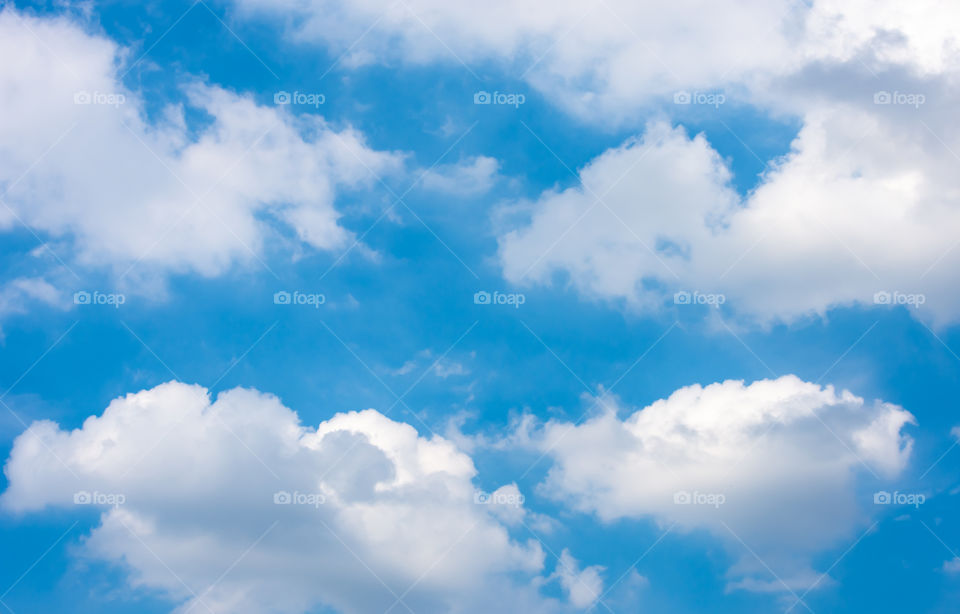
{"x": 882, "y": 497}
{"x": 103, "y": 98}
{"x": 283, "y": 297}
{"x": 899, "y": 98}
{"x": 284, "y": 497}
{"x": 696, "y": 297}
{"x": 85, "y": 497}
{"x": 513, "y": 499}
{"x": 96, "y": 297}
{"x": 313, "y": 99}
{"x": 482, "y": 297}
{"x": 898, "y": 298}
{"x": 503, "y": 98}
{"x": 684, "y": 497}
{"x": 712, "y": 99}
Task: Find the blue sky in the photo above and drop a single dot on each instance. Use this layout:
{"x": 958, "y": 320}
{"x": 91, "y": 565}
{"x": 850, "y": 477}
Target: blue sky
{"x": 795, "y": 200}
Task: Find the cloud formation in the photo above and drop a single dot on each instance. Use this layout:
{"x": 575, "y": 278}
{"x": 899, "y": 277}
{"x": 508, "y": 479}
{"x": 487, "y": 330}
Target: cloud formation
{"x": 859, "y": 212}
{"x": 779, "y": 467}
{"x": 235, "y": 506}
{"x": 605, "y": 61}
{"x": 144, "y": 193}
{"x": 862, "y": 204}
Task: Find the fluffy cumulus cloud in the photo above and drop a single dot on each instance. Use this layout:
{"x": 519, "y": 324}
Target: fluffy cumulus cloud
{"x": 85, "y": 166}
{"x": 630, "y": 219}
{"x": 235, "y": 506}
{"x": 776, "y": 469}
{"x": 859, "y": 211}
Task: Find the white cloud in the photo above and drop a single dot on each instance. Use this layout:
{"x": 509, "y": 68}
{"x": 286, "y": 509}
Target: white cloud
{"x": 606, "y": 60}
{"x": 440, "y": 366}
{"x": 82, "y": 162}
{"x": 583, "y": 586}
{"x": 17, "y": 294}
{"x": 663, "y": 191}
{"x": 506, "y": 503}
{"x": 467, "y": 178}
{"x": 199, "y": 481}
{"x": 445, "y": 369}
{"x": 599, "y": 60}
{"x": 779, "y": 464}
{"x": 863, "y": 204}
{"x": 952, "y": 566}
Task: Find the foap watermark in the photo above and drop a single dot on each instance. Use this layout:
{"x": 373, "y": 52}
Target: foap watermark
{"x": 513, "y": 499}
{"x": 899, "y": 98}
{"x": 513, "y": 99}
{"x": 296, "y": 297}
{"x": 898, "y": 298}
{"x": 482, "y": 297}
{"x": 104, "y": 98}
{"x": 85, "y": 497}
{"x": 96, "y": 297}
{"x": 684, "y": 497}
{"x": 284, "y": 497}
{"x": 712, "y": 99}
{"x": 882, "y": 497}
{"x": 698, "y": 298}
{"x": 313, "y": 99}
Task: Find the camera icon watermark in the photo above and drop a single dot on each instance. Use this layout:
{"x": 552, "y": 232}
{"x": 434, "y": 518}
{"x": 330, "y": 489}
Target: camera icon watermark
{"x": 513, "y": 499}
{"x": 96, "y": 297}
{"x": 696, "y": 297}
{"x": 882, "y": 497}
{"x": 314, "y": 99}
{"x": 713, "y": 99}
{"x": 683, "y": 497}
{"x": 899, "y": 98}
{"x": 500, "y": 98}
{"x": 101, "y": 98}
{"x": 482, "y": 297}
{"x": 283, "y": 297}
{"x": 284, "y": 497}
{"x": 898, "y": 298}
{"x": 85, "y": 497}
